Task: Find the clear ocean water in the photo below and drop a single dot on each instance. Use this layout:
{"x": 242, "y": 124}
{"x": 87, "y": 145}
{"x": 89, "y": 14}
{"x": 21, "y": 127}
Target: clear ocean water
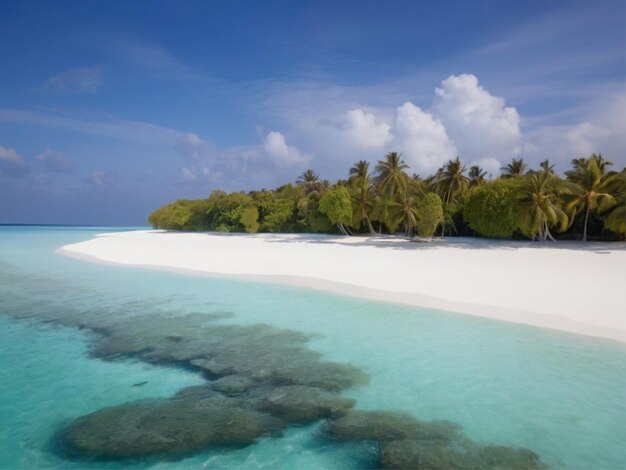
{"x": 561, "y": 395}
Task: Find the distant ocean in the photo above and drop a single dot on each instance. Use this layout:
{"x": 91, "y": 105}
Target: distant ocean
{"x": 560, "y": 395}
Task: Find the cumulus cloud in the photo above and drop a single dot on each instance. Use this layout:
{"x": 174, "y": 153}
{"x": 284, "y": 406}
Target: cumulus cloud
{"x": 422, "y": 138}
{"x": 277, "y": 149}
{"x": 464, "y": 119}
{"x": 479, "y": 123}
{"x": 364, "y": 129}
{"x": 79, "y": 80}
{"x": 55, "y": 162}
{"x": 584, "y": 137}
{"x": 11, "y": 162}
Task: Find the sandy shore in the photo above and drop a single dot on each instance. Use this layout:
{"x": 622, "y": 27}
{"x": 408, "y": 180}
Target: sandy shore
{"x": 569, "y": 286}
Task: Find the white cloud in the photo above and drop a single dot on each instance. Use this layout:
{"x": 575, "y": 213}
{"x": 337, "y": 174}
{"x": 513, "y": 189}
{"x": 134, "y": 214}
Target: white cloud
{"x": 479, "y": 123}
{"x": 585, "y": 136}
{"x": 188, "y": 174}
{"x": 11, "y": 162}
{"x": 422, "y": 139}
{"x": 490, "y": 165}
{"x": 364, "y": 130}
{"x": 55, "y": 162}
{"x": 80, "y": 80}
{"x": 155, "y": 61}
{"x": 465, "y": 119}
{"x": 195, "y": 173}
{"x": 603, "y": 130}
{"x": 101, "y": 178}
{"x": 134, "y": 131}
{"x": 277, "y": 149}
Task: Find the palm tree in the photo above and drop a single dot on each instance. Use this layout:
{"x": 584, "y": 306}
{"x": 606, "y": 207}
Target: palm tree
{"x": 615, "y": 220}
{"x": 309, "y": 181}
{"x": 391, "y": 177}
{"x": 451, "y": 181}
{"x": 546, "y": 167}
{"x": 476, "y": 175}
{"x": 360, "y": 183}
{"x": 538, "y": 207}
{"x": 517, "y": 167}
{"x": 594, "y": 188}
{"x": 403, "y": 211}
{"x": 380, "y": 213}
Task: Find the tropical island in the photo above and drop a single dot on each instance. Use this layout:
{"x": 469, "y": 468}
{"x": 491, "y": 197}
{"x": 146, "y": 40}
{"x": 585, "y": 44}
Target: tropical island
{"x": 490, "y": 270}
{"x": 522, "y": 203}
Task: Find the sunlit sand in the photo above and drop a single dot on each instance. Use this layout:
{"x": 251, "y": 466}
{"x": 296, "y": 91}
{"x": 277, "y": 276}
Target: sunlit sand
{"x": 567, "y": 286}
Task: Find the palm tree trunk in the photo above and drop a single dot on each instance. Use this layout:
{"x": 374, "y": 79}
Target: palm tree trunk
{"x": 585, "y": 226}
{"x": 546, "y": 233}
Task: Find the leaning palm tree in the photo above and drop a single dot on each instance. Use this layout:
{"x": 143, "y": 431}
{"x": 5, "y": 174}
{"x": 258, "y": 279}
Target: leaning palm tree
{"x": 537, "y": 207}
{"x": 595, "y": 190}
{"x": 517, "y": 167}
{"x": 391, "y": 177}
{"x": 476, "y": 175}
{"x": 360, "y": 183}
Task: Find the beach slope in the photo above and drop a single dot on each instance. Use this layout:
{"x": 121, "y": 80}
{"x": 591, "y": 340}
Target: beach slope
{"x": 568, "y": 286}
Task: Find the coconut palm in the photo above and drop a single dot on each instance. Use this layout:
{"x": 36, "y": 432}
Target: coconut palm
{"x": 380, "y": 213}
{"x": 403, "y": 211}
{"x": 615, "y": 219}
{"x": 517, "y": 167}
{"x": 476, "y": 175}
{"x": 546, "y": 167}
{"x": 391, "y": 177}
{"x": 360, "y": 182}
{"x": 309, "y": 181}
{"x": 537, "y": 207}
{"x": 451, "y": 182}
{"x": 594, "y": 189}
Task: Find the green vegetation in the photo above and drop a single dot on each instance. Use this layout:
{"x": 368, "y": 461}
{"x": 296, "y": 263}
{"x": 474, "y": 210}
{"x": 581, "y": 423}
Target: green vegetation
{"x": 523, "y": 203}
{"x": 488, "y": 208}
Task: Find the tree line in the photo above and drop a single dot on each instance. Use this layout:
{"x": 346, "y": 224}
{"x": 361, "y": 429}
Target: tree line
{"x": 522, "y": 203}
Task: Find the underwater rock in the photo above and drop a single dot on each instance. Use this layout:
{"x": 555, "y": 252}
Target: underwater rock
{"x": 232, "y": 384}
{"x": 197, "y": 391}
{"x": 415, "y": 454}
{"x": 258, "y": 352}
{"x": 389, "y": 425}
{"x": 327, "y": 375}
{"x": 165, "y": 427}
{"x": 298, "y": 403}
{"x": 503, "y": 457}
{"x": 465, "y": 454}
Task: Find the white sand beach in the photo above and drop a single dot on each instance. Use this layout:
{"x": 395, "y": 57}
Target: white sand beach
{"x": 567, "y": 286}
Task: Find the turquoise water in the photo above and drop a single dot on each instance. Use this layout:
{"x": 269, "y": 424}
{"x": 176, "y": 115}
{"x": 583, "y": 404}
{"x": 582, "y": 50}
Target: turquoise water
{"x": 561, "y": 395}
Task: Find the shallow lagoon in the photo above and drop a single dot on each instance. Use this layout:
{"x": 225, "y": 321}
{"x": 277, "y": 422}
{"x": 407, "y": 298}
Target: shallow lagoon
{"x": 560, "y": 395}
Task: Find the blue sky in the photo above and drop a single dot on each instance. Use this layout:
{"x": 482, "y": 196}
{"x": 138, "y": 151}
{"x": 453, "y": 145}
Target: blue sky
{"x": 110, "y": 109}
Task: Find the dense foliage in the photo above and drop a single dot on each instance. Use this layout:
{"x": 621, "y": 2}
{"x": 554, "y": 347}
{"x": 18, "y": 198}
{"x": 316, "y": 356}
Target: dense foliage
{"x": 487, "y": 208}
{"x": 537, "y": 204}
